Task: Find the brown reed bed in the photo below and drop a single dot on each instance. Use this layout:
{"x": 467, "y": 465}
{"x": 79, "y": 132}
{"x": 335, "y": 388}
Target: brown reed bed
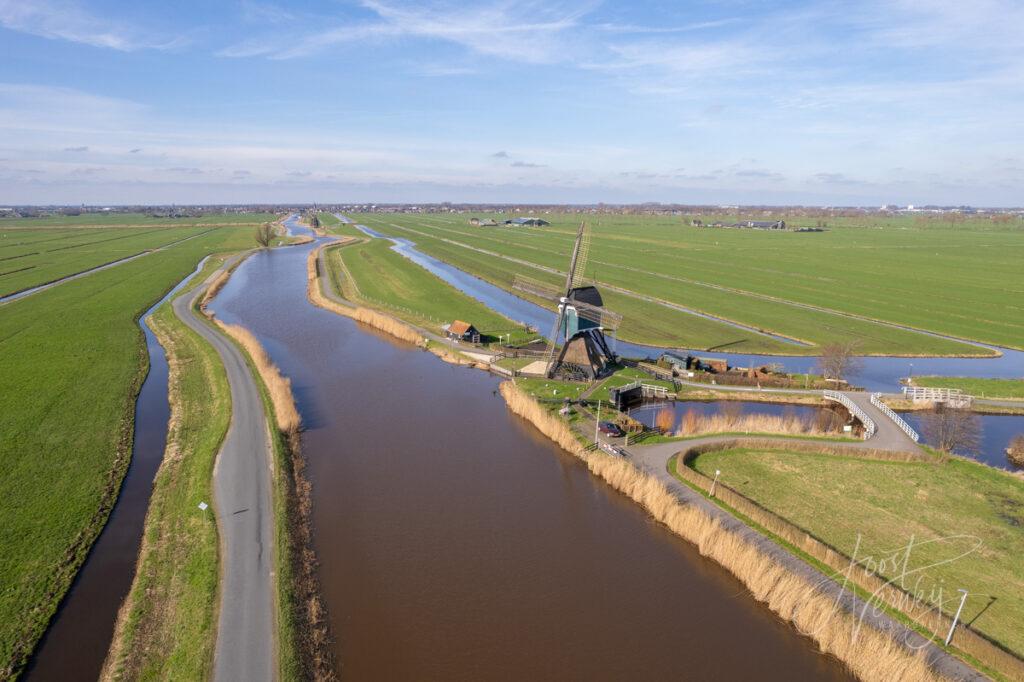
{"x": 279, "y": 387}
{"x": 693, "y": 423}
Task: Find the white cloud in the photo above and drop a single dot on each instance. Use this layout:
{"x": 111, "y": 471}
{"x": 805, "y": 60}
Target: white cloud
{"x": 518, "y": 31}
{"x": 64, "y": 20}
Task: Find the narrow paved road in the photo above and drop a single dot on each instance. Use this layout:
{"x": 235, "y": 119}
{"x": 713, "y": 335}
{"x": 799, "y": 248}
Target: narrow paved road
{"x": 246, "y": 645}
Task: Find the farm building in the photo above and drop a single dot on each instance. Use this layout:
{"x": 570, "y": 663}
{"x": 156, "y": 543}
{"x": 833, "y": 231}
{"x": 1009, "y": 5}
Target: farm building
{"x": 462, "y": 331}
{"x": 483, "y": 222}
{"x": 526, "y": 222}
{"x": 754, "y": 224}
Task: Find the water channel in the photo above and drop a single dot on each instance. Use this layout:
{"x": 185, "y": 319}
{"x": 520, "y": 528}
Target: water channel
{"x": 455, "y": 542}
{"x": 876, "y": 374}
{"x": 75, "y": 643}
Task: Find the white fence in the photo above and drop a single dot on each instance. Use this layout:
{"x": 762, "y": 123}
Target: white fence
{"x": 907, "y": 428}
{"x": 953, "y": 396}
{"x": 648, "y": 390}
{"x": 855, "y": 410}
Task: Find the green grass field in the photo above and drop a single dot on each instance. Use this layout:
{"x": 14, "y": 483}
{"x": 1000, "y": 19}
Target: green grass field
{"x": 93, "y": 220}
{"x": 979, "y": 388}
{"x": 806, "y": 286}
{"x": 391, "y": 282}
{"x": 334, "y": 226}
{"x": 72, "y": 359}
{"x": 940, "y": 508}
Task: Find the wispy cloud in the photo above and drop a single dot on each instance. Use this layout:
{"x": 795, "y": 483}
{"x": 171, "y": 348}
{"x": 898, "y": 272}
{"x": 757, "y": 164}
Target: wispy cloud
{"x": 519, "y": 31}
{"x": 685, "y": 28}
{"x": 65, "y": 20}
{"x": 76, "y": 149}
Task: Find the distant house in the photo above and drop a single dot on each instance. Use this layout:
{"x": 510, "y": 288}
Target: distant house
{"x": 462, "y": 331}
{"x": 526, "y": 222}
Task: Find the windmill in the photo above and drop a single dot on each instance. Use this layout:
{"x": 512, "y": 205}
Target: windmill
{"x": 582, "y": 319}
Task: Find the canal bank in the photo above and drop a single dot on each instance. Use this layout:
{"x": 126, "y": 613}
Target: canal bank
{"x": 455, "y": 541}
{"x": 76, "y": 641}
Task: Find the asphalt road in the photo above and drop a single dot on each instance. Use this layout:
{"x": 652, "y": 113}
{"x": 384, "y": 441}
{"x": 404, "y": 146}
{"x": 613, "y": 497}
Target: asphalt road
{"x": 246, "y": 645}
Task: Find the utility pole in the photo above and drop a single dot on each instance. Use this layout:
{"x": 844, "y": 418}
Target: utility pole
{"x": 957, "y": 616}
{"x": 714, "y": 483}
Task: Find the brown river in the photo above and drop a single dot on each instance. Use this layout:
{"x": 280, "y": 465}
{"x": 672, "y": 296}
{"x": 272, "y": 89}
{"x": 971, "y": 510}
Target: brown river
{"x": 457, "y": 543}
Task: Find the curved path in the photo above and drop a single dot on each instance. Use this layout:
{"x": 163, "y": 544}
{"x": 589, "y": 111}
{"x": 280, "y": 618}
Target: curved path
{"x": 246, "y": 644}
{"x": 653, "y": 459}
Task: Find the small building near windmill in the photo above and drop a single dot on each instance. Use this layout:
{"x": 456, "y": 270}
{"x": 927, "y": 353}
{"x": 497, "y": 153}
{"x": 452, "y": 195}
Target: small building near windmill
{"x": 462, "y": 331}
{"x": 526, "y": 222}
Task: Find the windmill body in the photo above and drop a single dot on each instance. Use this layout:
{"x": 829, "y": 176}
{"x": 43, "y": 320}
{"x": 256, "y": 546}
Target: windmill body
{"x": 582, "y": 320}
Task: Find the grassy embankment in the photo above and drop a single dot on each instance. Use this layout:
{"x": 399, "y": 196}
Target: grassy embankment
{"x": 760, "y": 278}
{"x": 168, "y": 623}
{"x": 956, "y": 508}
{"x": 1010, "y": 389}
{"x": 72, "y": 360}
{"x": 167, "y": 628}
{"x": 372, "y": 274}
{"x": 871, "y": 655}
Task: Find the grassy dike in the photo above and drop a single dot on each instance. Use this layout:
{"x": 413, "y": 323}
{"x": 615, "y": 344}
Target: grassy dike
{"x": 167, "y": 626}
{"x": 872, "y": 655}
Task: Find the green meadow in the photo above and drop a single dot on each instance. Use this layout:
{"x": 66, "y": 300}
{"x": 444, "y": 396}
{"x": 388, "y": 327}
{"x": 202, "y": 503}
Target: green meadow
{"x": 371, "y": 273}
{"x": 963, "y": 522}
{"x": 839, "y": 285}
{"x": 1012, "y": 389}
{"x": 72, "y": 359}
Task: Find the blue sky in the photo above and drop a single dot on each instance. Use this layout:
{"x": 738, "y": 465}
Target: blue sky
{"x": 731, "y": 101}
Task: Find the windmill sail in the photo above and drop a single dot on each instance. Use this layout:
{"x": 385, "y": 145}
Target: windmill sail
{"x": 578, "y": 262}
{"x": 536, "y": 288}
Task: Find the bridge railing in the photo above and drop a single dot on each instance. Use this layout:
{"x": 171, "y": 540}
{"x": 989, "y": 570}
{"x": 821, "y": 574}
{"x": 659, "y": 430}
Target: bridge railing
{"x": 876, "y": 400}
{"x": 855, "y": 410}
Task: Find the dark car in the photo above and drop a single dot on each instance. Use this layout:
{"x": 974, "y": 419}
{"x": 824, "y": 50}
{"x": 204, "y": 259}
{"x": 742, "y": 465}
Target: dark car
{"x": 610, "y": 429}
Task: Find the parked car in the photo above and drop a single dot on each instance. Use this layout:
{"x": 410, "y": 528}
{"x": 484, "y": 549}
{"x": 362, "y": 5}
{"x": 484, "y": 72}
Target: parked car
{"x": 610, "y": 429}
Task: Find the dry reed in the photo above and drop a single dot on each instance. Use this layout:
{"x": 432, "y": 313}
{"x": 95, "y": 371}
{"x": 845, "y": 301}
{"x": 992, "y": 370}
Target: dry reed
{"x": 693, "y": 423}
{"x": 215, "y": 286}
{"x": 868, "y": 653}
{"x": 278, "y": 386}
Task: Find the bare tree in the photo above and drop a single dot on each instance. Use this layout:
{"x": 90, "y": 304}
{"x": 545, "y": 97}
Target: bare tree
{"x": 952, "y": 429}
{"x": 838, "y": 361}
{"x": 264, "y": 233}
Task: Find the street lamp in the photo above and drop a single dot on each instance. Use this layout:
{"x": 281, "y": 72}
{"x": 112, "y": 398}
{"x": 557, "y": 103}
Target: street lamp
{"x": 714, "y": 483}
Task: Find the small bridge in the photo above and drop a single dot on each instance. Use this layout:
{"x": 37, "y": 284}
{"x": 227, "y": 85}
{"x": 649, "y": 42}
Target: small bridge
{"x": 951, "y": 396}
{"x": 636, "y": 392}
